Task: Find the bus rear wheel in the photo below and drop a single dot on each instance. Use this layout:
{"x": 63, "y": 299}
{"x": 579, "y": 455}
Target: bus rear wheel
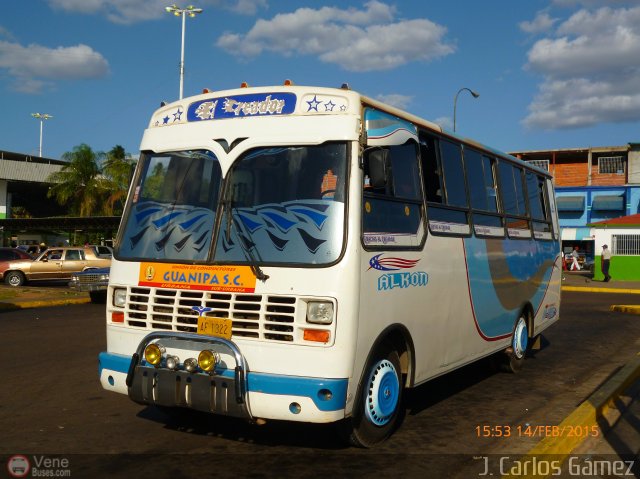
{"x": 378, "y": 409}
{"x": 516, "y": 353}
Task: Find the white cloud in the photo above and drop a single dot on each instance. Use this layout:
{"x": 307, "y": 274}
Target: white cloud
{"x": 396, "y": 99}
{"x": 541, "y": 23}
{"x": 350, "y": 38}
{"x": 445, "y": 122}
{"x": 33, "y": 67}
{"x": 133, "y": 11}
{"x": 247, "y": 7}
{"x": 591, "y": 71}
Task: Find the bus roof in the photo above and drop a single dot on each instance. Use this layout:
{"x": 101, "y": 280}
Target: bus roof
{"x": 290, "y": 100}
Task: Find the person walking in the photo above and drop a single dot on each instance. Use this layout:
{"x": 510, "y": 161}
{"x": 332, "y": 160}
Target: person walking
{"x": 575, "y": 266}
{"x": 605, "y": 262}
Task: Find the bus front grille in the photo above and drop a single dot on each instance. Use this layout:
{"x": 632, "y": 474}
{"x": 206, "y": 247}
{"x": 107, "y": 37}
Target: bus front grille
{"x": 254, "y": 316}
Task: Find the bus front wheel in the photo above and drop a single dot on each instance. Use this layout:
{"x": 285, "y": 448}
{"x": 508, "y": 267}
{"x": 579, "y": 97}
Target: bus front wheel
{"x": 516, "y": 353}
{"x": 378, "y": 409}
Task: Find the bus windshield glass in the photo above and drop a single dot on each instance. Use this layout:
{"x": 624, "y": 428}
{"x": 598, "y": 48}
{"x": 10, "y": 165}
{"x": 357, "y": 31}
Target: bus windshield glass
{"x": 173, "y": 205}
{"x": 285, "y": 205}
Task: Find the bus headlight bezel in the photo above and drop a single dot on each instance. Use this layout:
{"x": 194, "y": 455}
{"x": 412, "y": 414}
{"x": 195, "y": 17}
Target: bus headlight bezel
{"x": 320, "y": 312}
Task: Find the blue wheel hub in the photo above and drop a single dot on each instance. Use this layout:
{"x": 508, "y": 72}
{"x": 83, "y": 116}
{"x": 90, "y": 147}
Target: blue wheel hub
{"x": 520, "y": 339}
{"x": 383, "y": 393}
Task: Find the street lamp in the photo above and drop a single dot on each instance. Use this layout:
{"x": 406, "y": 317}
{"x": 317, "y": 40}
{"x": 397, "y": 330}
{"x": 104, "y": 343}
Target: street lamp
{"x": 42, "y": 117}
{"x": 183, "y": 12}
{"x": 455, "y": 103}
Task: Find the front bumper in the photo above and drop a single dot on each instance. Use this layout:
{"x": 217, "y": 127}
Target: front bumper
{"x": 231, "y": 390}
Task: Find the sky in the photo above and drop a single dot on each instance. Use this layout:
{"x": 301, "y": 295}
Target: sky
{"x": 551, "y": 74}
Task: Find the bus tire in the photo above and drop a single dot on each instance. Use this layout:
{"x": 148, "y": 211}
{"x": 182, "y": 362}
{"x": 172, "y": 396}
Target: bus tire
{"x": 14, "y": 278}
{"x": 378, "y": 410}
{"x": 520, "y": 343}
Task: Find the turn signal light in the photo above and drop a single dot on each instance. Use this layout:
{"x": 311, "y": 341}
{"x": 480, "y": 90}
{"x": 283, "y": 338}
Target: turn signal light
{"x": 316, "y": 335}
{"x": 117, "y": 317}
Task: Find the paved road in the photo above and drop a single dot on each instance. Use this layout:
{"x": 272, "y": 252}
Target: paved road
{"x": 51, "y": 403}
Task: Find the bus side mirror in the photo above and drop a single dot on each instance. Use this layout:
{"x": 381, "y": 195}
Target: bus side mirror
{"x": 377, "y": 163}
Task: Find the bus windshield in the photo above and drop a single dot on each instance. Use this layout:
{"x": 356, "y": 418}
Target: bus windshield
{"x": 172, "y": 210}
{"x": 285, "y": 205}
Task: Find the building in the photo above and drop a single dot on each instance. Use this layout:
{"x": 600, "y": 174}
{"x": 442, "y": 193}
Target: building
{"x": 23, "y": 185}
{"x": 28, "y": 216}
{"x": 593, "y": 185}
{"x": 622, "y": 235}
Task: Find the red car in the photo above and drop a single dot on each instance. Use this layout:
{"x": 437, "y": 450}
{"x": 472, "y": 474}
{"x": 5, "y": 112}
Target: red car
{"x": 7, "y": 254}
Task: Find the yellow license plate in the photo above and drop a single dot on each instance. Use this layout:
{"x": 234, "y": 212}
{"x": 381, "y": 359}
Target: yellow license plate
{"x": 220, "y": 327}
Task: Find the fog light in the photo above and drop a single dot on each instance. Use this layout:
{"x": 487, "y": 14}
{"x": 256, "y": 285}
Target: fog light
{"x": 325, "y": 395}
{"x": 208, "y": 360}
{"x": 153, "y": 354}
{"x": 190, "y": 364}
{"x": 173, "y": 362}
{"x": 295, "y": 408}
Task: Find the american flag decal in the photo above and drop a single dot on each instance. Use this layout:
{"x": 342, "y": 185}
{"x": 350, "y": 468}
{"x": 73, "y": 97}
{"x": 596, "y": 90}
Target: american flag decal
{"x": 391, "y": 264}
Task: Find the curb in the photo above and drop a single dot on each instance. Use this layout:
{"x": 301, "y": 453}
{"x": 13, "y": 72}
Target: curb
{"x": 585, "y": 417}
{"x": 601, "y": 290}
{"x": 8, "y": 306}
{"x": 625, "y": 308}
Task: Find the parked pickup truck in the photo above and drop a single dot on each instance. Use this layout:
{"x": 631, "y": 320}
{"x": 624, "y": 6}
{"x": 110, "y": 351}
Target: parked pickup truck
{"x": 52, "y": 264}
{"x": 95, "y": 281}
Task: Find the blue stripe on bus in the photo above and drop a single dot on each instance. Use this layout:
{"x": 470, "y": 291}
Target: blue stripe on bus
{"x": 503, "y": 275}
{"x": 313, "y": 388}
{"x": 302, "y": 386}
{"x": 113, "y": 362}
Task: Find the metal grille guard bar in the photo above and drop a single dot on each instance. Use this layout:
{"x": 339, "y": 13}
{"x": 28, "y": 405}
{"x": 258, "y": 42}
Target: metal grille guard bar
{"x": 240, "y": 369}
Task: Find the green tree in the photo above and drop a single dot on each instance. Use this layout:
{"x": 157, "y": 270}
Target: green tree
{"x": 116, "y": 171}
{"x": 79, "y": 183}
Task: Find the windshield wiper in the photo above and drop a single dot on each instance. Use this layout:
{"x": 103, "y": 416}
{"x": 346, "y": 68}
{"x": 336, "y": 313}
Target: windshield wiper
{"x": 230, "y": 215}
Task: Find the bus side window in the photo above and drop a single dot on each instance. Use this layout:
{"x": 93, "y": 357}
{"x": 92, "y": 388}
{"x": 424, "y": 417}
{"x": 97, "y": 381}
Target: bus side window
{"x": 431, "y": 168}
{"x": 392, "y": 197}
{"x": 513, "y": 196}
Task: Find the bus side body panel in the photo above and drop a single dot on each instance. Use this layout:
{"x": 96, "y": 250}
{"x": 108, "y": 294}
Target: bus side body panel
{"x": 462, "y": 298}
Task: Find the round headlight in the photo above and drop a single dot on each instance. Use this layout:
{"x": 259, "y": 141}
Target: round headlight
{"x": 153, "y": 354}
{"x": 173, "y": 362}
{"x": 190, "y": 364}
{"x": 207, "y": 360}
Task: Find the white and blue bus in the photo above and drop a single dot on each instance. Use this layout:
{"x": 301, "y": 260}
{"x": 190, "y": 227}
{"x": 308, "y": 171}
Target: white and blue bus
{"x": 306, "y": 254}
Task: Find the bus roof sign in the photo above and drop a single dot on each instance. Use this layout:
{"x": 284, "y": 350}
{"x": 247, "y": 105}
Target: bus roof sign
{"x": 254, "y": 104}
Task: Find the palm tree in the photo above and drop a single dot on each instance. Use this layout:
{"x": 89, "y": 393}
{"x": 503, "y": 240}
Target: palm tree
{"x": 117, "y": 171}
{"x": 79, "y": 183}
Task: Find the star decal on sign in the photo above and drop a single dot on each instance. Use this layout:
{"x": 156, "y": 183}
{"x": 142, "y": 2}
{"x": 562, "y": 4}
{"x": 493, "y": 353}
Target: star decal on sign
{"x": 177, "y": 115}
{"x": 165, "y": 120}
{"x": 313, "y": 104}
{"x": 329, "y": 106}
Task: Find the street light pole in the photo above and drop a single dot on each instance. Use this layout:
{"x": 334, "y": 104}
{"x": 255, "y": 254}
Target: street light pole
{"x": 42, "y": 117}
{"x": 455, "y": 103}
{"x": 183, "y": 12}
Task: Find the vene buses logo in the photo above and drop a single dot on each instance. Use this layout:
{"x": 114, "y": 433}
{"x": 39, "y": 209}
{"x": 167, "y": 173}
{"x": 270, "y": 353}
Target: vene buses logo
{"x": 18, "y": 466}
